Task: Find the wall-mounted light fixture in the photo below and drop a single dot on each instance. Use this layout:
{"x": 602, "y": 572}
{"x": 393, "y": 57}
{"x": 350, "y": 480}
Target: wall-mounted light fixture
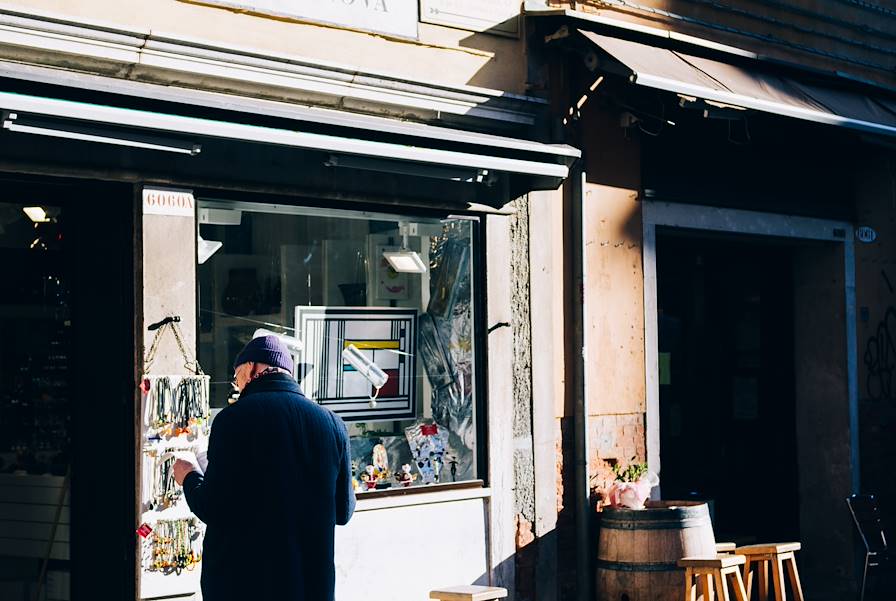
{"x": 206, "y": 248}
{"x": 37, "y": 214}
{"x": 405, "y": 260}
{"x": 210, "y": 216}
{"x": 457, "y": 174}
{"x": 72, "y": 130}
{"x": 367, "y": 368}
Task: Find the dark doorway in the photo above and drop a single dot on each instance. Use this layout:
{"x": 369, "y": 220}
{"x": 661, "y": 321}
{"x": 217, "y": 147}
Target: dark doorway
{"x": 727, "y": 391}
{"x": 66, "y": 389}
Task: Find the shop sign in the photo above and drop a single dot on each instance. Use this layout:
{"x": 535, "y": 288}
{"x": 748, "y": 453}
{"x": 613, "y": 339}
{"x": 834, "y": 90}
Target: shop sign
{"x": 168, "y": 201}
{"x": 492, "y": 16}
{"x": 394, "y": 17}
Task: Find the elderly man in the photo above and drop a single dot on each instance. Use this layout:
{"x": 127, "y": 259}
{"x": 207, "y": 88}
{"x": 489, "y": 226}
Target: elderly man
{"x": 278, "y": 481}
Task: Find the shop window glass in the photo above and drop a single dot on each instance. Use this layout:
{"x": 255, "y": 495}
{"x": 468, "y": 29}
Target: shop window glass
{"x": 383, "y": 308}
{"x": 35, "y": 397}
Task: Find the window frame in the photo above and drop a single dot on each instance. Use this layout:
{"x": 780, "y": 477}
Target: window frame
{"x": 324, "y": 207}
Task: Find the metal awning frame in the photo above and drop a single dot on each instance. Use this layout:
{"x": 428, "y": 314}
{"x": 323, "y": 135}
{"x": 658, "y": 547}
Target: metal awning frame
{"x": 679, "y": 87}
{"x": 181, "y": 125}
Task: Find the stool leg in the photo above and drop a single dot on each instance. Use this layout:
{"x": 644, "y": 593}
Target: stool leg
{"x": 763, "y": 580}
{"x": 794, "y": 575}
{"x": 748, "y": 576}
{"x": 778, "y": 579}
{"x": 721, "y": 586}
{"x": 705, "y": 581}
{"x": 740, "y": 592}
{"x": 690, "y": 589}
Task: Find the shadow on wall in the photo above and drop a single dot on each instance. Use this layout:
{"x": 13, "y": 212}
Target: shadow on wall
{"x": 507, "y": 69}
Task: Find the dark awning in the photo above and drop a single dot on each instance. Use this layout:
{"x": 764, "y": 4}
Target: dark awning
{"x": 461, "y": 166}
{"x": 750, "y": 88}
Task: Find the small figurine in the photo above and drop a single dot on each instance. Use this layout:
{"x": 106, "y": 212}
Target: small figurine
{"x": 405, "y": 477}
{"x": 369, "y": 477}
{"x": 380, "y": 460}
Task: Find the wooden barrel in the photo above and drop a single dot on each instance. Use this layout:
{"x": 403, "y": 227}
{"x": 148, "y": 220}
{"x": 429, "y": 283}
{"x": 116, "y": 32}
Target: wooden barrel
{"x": 638, "y": 550}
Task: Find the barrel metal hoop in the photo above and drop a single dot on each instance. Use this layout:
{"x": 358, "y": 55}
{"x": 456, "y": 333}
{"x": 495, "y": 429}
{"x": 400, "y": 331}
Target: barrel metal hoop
{"x": 618, "y": 566}
{"x": 611, "y": 524}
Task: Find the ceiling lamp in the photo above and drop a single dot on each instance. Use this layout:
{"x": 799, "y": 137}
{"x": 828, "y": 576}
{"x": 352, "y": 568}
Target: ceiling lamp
{"x": 405, "y": 260}
{"x": 37, "y": 214}
{"x": 206, "y": 248}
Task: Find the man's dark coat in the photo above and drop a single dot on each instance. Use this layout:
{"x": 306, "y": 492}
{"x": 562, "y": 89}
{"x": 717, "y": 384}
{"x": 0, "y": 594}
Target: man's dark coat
{"x": 277, "y": 483}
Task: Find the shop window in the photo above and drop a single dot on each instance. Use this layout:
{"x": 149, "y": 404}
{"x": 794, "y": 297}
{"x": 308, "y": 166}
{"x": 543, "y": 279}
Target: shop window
{"x": 35, "y": 399}
{"x": 382, "y": 307}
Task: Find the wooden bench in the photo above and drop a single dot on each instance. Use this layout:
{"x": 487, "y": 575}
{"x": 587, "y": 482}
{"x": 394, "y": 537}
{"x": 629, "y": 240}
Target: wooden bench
{"x": 470, "y": 592}
{"x": 713, "y": 573}
{"x": 776, "y": 556}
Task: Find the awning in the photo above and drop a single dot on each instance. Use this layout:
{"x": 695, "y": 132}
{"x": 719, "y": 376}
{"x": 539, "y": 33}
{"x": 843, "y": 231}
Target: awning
{"x": 749, "y": 88}
{"x": 432, "y": 153}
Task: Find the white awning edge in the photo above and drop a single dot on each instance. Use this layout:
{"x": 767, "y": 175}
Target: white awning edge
{"x": 185, "y": 125}
{"x": 778, "y": 108}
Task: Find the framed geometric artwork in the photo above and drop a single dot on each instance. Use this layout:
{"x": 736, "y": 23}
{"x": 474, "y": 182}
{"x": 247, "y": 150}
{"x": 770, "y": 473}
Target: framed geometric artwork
{"x": 385, "y": 336}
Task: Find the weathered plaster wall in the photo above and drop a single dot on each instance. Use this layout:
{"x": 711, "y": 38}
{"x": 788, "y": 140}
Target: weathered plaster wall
{"x": 169, "y": 285}
{"x": 442, "y": 54}
{"x": 546, "y": 273}
{"x": 876, "y": 329}
{"x": 614, "y": 324}
{"x": 822, "y": 420}
{"x": 523, "y": 457}
{"x": 614, "y": 331}
{"x": 502, "y": 514}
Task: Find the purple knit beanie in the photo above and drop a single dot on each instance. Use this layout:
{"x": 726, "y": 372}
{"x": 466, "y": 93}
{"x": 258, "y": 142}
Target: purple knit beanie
{"x": 265, "y": 349}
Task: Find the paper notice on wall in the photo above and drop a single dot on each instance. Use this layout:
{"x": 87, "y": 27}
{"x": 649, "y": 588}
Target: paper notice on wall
{"x": 492, "y": 16}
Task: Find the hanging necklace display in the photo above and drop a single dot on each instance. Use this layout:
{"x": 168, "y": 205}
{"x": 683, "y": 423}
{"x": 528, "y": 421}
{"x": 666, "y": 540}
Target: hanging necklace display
{"x": 173, "y": 546}
{"x": 174, "y": 405}
{"x": 159, "y": 488}
{"x": 175, "y": 413}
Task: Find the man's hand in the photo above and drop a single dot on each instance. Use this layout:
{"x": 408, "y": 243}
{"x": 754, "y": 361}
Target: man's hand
{"x": 184, "y": 463}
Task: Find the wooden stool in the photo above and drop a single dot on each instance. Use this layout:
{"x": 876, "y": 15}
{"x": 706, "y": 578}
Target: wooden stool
{"x": 776, "y": 556}
{"x": 707, "y": 571}
{"x": 470, "y": 592}
{"x": 725, "y": 548}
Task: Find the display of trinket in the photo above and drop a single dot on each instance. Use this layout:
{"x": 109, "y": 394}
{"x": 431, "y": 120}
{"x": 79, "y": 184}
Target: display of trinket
{"x": 376, "y": 474}
{"x": 380, "y": 460}
{"x": 368, "y": 477}
{"x": 176, "y": 405}
{"x": 176, "y": 412}
{"x": 160, "y": 491}
{"x": 405, "y": 478}
{"x": 429, "y": 443}
{"x": 175, "y": 545}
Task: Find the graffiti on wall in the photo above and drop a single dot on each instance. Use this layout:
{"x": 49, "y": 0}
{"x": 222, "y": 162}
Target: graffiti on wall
{"x": 880, "y": 358}
{"x": 880, "y": 355}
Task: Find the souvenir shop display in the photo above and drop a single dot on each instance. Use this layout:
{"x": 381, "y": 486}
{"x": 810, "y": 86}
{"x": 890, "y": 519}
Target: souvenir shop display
{"x": 405, "y": 478}
{"x": 429, "y": 444}
{"x": 173, "y": 546}
{"x": 176, "y": 413}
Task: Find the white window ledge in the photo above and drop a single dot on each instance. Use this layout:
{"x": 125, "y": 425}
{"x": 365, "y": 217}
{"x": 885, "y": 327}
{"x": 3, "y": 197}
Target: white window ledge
{"x": 421, "y": 496}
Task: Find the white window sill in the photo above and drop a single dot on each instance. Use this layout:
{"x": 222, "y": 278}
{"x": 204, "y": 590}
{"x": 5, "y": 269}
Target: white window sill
{"x": 422, "y": 495}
